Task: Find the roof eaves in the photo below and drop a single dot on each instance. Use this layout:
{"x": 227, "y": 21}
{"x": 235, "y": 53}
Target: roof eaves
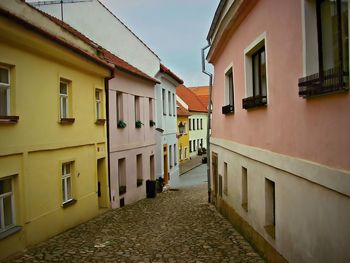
{"x": 216, "y": 17}
{"x": 166, "y": 70}
{"x": 52, "y": 37}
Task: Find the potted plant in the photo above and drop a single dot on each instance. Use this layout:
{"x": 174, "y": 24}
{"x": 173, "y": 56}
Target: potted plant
{"x": 121, "y": 124}
{"x": 138, "y": 124}
{"x": 152, "y": 123}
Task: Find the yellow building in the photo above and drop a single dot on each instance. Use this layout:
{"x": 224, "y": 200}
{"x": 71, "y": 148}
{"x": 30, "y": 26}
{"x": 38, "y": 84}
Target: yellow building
{"x": 53, "y": 146}
{"x": 183, "y": 133}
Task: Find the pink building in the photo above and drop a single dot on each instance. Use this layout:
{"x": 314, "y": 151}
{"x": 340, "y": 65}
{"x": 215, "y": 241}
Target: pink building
{"x": 280, "y": 142}
{"x": 131, "y": 132}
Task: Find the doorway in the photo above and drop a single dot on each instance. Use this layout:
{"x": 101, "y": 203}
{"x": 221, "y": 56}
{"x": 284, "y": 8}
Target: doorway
{"x": 215, "y": 173}
{"x": 165, "y": 162}
{"x": 102, "y": 184}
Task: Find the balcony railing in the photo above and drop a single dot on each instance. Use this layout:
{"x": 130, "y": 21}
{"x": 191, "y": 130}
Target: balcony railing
{"x": 255, "y": 101}
{"x": 332, "y": 81}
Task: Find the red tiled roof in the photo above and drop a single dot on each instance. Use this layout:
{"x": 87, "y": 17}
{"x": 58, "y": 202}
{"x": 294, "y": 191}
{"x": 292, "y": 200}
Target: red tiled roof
{"x": 170, "y": 73}
{"x": 181, "y": 111}
{"x": 108, "y": 56}
{"x": 202, "y": 92}
{"x": 52, "y": 37}
{"x": 124, "y": 66}
{"x": 191, "y": 99}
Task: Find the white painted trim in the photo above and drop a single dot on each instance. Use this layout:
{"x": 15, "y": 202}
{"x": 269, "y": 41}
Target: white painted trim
{"x": 329, "y": 177}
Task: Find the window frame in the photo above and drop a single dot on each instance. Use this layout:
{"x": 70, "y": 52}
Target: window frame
{"x": 64, "y": 177}
{"x": 251, "y": 99}
{"x": 164, "y": 101}
{"x": 64, "y": 111}
{"x": 7, "y": 86}
{"x": 229, "y": 93}
{"x": 4, "y": 228}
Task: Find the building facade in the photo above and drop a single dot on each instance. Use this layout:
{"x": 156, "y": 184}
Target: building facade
{"x": 53, "y": 150}
{"x": 280, "y": 168}
{"x": 166, "y": 114}
{"x": 132, "y": 144}
{"x": 197, "y": 122}
{"x": 183, "y": 133}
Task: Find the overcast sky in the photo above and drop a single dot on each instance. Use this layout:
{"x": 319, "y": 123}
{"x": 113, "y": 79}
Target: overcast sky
{"x": 175, "y": 30}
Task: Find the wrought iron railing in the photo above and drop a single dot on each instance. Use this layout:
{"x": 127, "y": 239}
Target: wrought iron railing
{"x": 331, "y": 81}
{"x": 255, "y": 101}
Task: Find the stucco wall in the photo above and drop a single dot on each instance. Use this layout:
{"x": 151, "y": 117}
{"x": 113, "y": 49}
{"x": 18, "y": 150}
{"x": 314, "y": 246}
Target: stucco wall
{"x": 281, "y": 125}
{"x": 198, "y": 133}
{"x": 108, "y": 31}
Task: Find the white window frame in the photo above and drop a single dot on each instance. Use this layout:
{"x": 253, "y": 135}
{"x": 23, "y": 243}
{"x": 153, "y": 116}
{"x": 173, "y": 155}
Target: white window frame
{"x": 7, "y": 86}
{"x": 2, "y": 216}
{"x": 98, "y": 102}
{"x": 64, "y": 96}
{"x": 169, "y": 102}
{"x": 254, "y": 46}
{"x": 229, "y": 71}
{"x": 164, "y": 101}
{"x": 64, "y": 178}
{"x": 174, "y": 105}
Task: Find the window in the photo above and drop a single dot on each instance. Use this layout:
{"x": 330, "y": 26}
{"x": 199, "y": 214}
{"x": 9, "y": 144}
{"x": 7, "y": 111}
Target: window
{"x": 194, "y": 124}
{"x": 169, "y": 103}
{"x": 137, "y": 108}
{"x": 175, "y": 157}
{"x": 7, "y": 204}
{"x": 150, "y": 105}
{"x": 327, "y": 48}
{"x": 194, "y": 145}
{"x": 201, "y": 143}
{"x": 180, "y": 153}
{"x": 139, "y": 180}
{"x": 225, "y": 178}
{"x": 122, "y": 176}
{"x": 186, "y": 153}
{"x": 229, "y": 93}
{"x": 170, "y": 156}
{"x": 244, "y": 189}
{"x": 67, "y": 182}
{"x": 270, "y": 213}
{"x": 198, "y": 127}
{"x": 119, "y": 106}
{"x": 256, "y": 77}
{"x": 163, "y": 101}
{"x": 4, "y": 91}
{"x": 174, "y": 105}
{"x": 190, "y": 142}
{"x": 201, "y": 124}
{"x": 152, "y": 167}
{"x": 98, "y": 94}
{"x": 189, "y": 124}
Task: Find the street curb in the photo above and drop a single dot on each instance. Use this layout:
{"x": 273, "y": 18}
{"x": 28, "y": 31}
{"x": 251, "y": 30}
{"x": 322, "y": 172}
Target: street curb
{"x": 191, "y": 168}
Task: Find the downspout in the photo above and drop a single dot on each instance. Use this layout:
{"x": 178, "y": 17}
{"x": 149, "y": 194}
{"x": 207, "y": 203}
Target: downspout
{"x": 108, "y": 139}
{"x": 209, "y": 118}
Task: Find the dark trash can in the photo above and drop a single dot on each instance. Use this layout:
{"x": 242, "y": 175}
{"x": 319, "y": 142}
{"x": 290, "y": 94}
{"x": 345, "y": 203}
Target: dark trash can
{"x": 151, "y": 189}
{"x": 160, "y": 183}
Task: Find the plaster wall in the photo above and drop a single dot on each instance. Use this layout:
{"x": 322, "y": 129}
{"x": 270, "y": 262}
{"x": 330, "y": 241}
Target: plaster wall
{"x": 280, "y": 126}
{"x": 198, "y": 133}
{"x": 130, "y": 141}
{"x": 107, "y": 30}
{"x": 311, "y": 218}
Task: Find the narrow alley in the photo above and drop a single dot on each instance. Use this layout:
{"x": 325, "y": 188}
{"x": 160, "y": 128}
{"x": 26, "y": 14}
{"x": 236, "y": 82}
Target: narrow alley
{"x": 176, "y": 226}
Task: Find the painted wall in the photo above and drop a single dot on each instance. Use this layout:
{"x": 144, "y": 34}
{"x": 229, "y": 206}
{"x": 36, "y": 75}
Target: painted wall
{"x": 166, "y": 122}
{"x": 183, "y": 141}
{"x": 33, "y": 149}
{"x": 198, "y": 134}
{"x": 298, "y": 144}
{"x": 286, "y": 116}
{"x": 130, "y": 141}
{"x": 108, "y": 31}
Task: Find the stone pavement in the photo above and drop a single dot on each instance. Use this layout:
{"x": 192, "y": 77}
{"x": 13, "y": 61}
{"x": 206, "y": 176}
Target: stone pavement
{"x": 177, "y": 226}
{"x": 188, "y": 165}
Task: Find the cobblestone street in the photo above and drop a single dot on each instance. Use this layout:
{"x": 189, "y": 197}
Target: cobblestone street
{"x": 177, "y": 226}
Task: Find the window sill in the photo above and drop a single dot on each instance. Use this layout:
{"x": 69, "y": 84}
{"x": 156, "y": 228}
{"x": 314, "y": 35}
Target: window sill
{"x": 10, "y": 232}
{"x": 254, "y": 102}
{"x": 69, "y": 203}
{"x": 270, "y": 229}
{"x": 226, "y": 110}
{"x": 67, "y": 120}
{"x": 9, "y": 119}
{"x": 100, "y": 121}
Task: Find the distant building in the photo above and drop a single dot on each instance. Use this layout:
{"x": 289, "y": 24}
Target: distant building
{"x": 197, "y": 122}
{"x": 53, "y": 146}
{"x": 280, "y": 142}
{"x": 166, "y": 157}
{"x": 183, "y": 133}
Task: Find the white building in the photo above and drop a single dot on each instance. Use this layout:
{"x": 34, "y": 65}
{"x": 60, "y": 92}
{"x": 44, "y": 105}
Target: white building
{"x": 166, "y": 156}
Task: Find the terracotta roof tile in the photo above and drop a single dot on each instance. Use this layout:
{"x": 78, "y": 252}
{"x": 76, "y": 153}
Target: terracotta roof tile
{"x": 181, "y": 111}
{"x": 170, "y": 73}
{"x": 191, "y": 99}
{"x": 123, "y": 65}
{"x": 202, "y": 92}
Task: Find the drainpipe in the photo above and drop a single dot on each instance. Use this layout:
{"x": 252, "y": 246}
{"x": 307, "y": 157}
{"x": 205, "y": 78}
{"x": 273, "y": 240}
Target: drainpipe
{"x": 107, "y": 126}
{"x": 209, "y": 118}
